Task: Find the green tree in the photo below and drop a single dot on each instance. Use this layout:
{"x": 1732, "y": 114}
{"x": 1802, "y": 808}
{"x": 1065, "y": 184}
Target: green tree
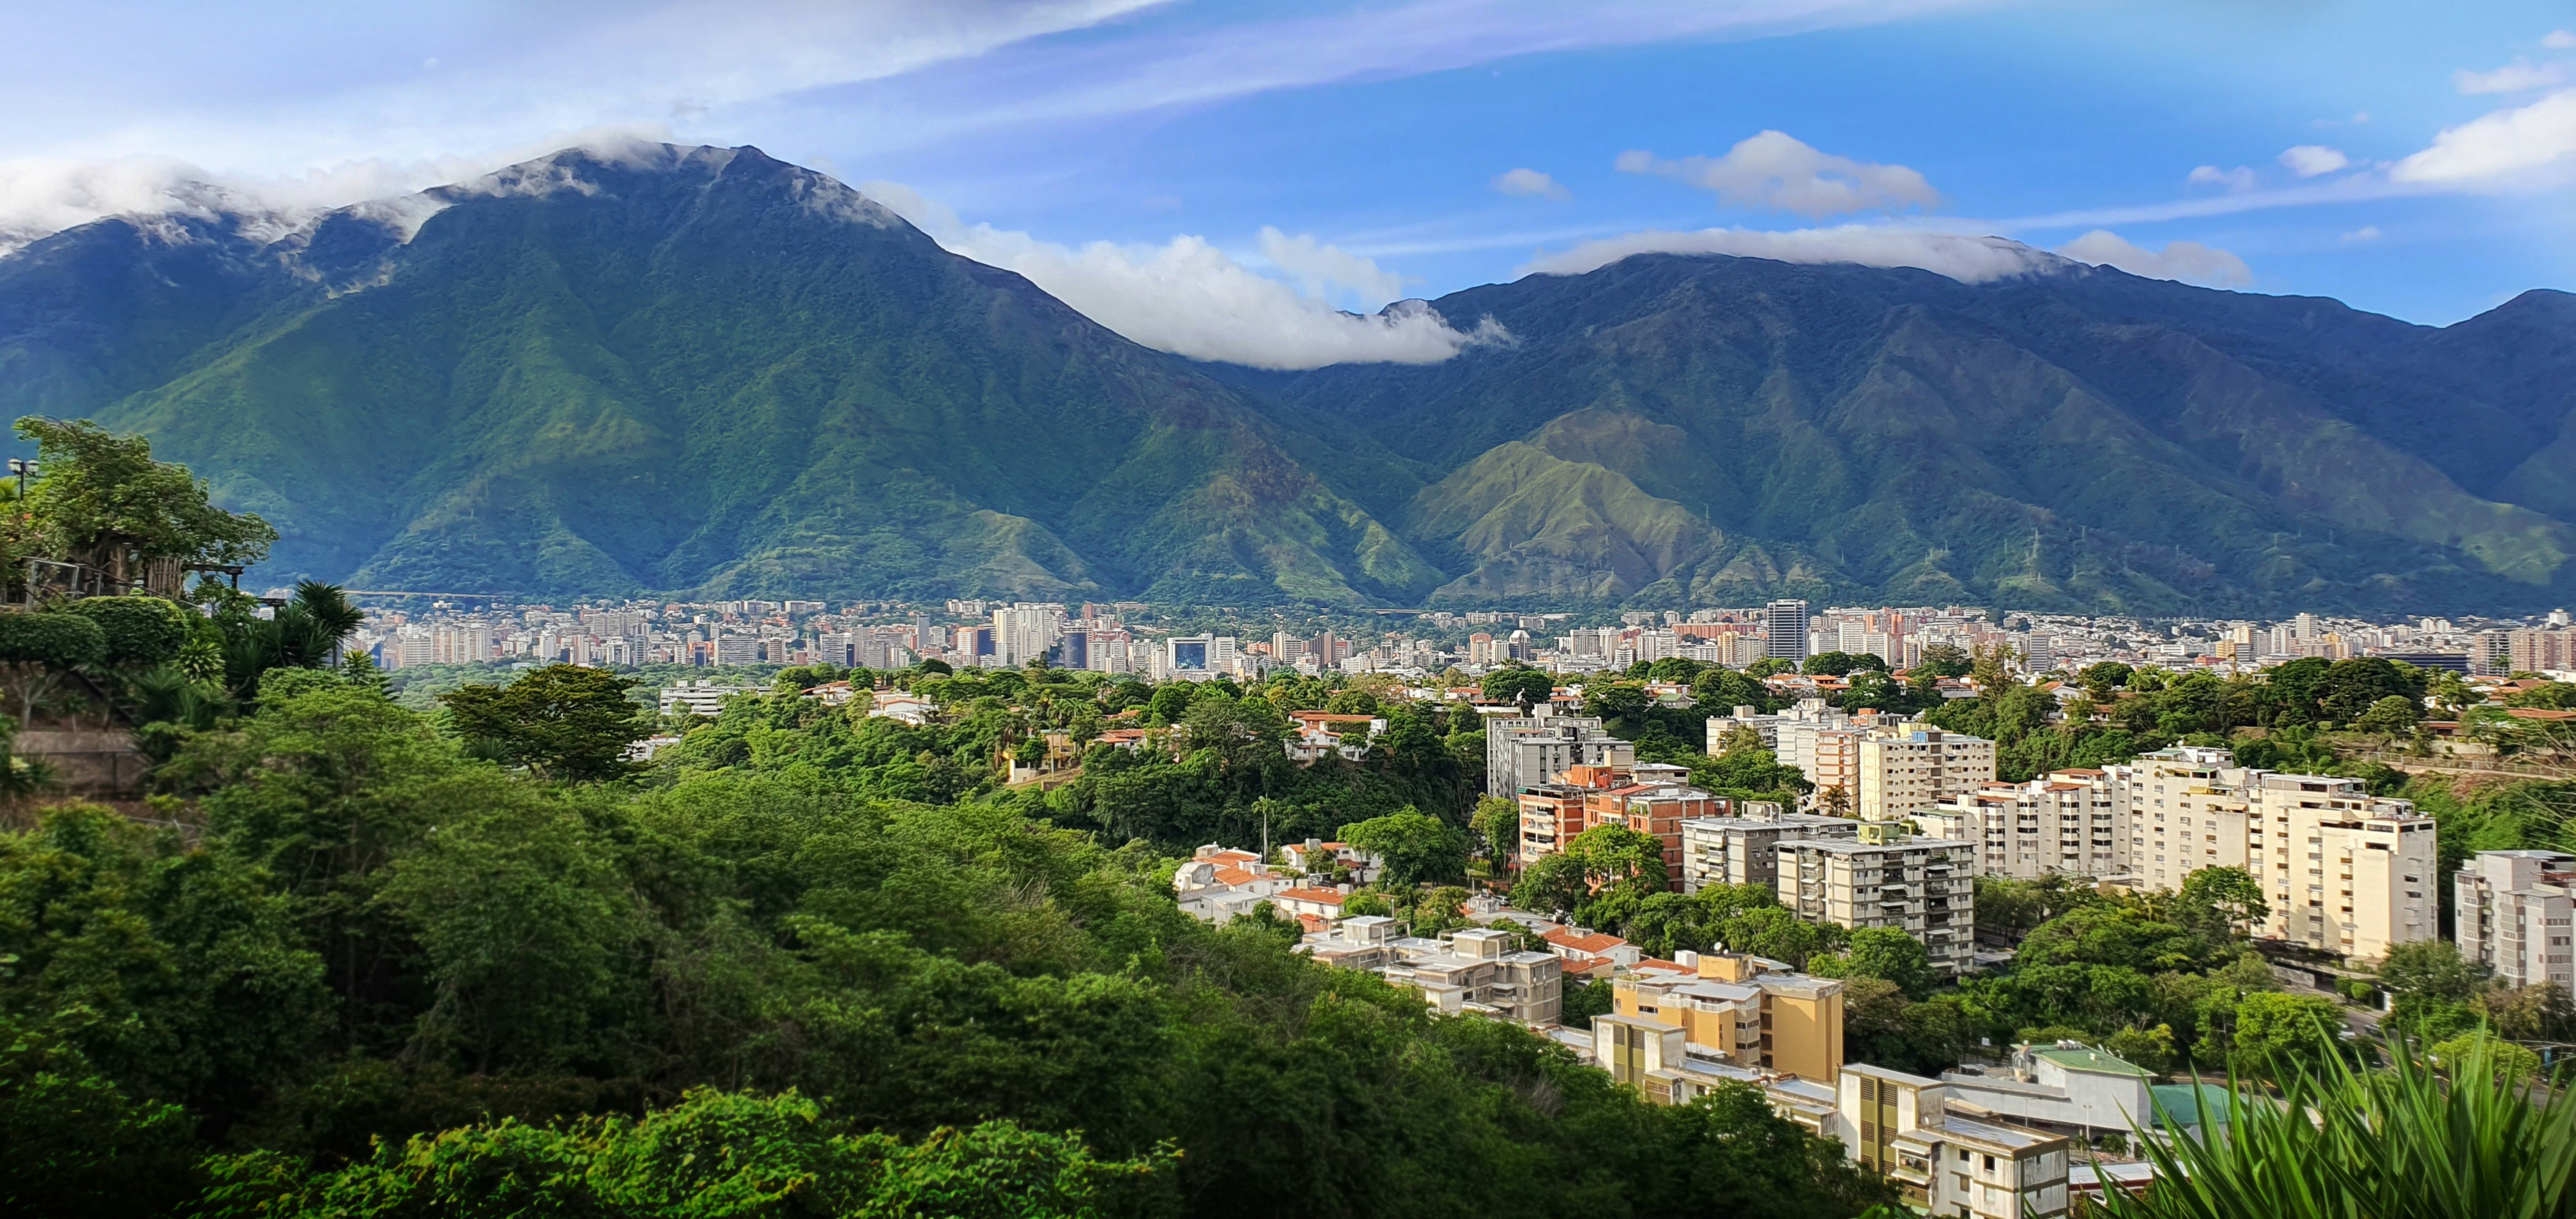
{"x": 1514, "y": 683}
{"x": 1611, "y": 854}
{"x": 1497, "y": 821}
{"x": 1412, "y": 846}
{"x": 1885, "y": 953}
{"x": 73, "y": 1143}
{"x": 1944, "y": 660}
{"x": 1169, "y": 703}
{"x": 1838, "y": 664}
{"x": 2280, "y": 1036}
{"x": 104, "y": 502}
{"x": 2511, "y": 1061}
{"x": 563, "y": 721}
{"x": 2102, "y": 678}
{"x": 139, "y": 632}
{"x": 1352, "y": 702}
{"x": 2392, "y": 716}
{"x": 1551, "y": 883}
{"x": 714, "y": 1153}
{"x": 2229, "y": 897}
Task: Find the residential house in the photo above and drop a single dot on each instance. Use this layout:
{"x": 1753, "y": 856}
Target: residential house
{"x": 1745, "y": 1010}
{"x": 1947, "y": 1155}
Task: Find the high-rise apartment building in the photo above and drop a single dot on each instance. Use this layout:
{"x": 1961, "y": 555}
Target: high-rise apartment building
{"x": 1741, "y": 850}
{"x": 2514, "y": 910}
{"x": 1905, "y": 768}
{"x": 2074, "y": 822}
{"x": 1520, "y": 751}
{"x": 1026, "y": 631}
{"x": 2342, "y": 870}
{"x": 1784, "y": 625}
{"x": 1884, "y": 877}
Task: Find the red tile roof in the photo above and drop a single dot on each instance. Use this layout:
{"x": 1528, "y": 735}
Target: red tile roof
{"x": 1328, "y": 897}
{"x": 1594, "y": 944}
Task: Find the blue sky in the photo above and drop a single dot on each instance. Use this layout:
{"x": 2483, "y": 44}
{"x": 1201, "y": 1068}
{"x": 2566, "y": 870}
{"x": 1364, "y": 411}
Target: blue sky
{"x": 1193, "y": 172}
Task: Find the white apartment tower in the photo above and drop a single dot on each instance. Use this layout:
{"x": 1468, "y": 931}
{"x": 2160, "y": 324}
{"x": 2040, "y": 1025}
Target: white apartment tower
{"x": 2514, "y": 910}
{"x": 1522, "y": 751}
{"x": 2343, "y": 870}
{"x": 1026, "y": 631}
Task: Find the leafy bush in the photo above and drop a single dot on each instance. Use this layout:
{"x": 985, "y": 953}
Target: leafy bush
{"x": 50, "y": 640}
{"x": 715, "y": 1153}
{"x": 140, "y": 631}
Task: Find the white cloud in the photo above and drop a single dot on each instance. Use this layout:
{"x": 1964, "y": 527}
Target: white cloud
{"x": 1775, "y": 170}
{"x": 2237, "y": 179}
{"x": 2514, "y": 77}
{"x": 1968, "y": 259}
{"x": 1530, "y": 182}
{"x": 2310, "y": 160}
{"x": 1190, "y": 298}
{"x": 2559, "y": 40}
{"x": 2367, "y": 232}
{"x": 1319, "y": 268}
{"x": 2497, "y": 146}
{"x": 2188, "y": 261}
{"x": 41, "y": 196}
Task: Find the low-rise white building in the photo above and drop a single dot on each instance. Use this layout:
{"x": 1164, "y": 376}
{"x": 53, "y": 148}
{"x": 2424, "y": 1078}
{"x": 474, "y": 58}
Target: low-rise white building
{"x": 702, "y": 698}
{"x": 1217, "y": 885}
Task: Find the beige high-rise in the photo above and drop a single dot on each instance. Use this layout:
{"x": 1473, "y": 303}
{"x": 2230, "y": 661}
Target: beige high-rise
{"x": 2342, "y": 870}
{"x": 1906, "y": 768}
{"x": 2074, "y": 822}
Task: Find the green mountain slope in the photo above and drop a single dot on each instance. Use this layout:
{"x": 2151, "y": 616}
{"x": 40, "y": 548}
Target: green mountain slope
{"x": 2075, "y": 440}
{"x": 701, "y": 371}
{"x": 704, "y": 370}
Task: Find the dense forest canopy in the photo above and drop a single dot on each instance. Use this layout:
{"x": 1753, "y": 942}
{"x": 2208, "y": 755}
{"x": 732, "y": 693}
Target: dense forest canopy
{"x": 464, "y": 954}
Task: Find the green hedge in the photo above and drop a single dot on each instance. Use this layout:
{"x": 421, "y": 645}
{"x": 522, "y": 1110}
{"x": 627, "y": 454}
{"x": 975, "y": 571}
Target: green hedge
{"x": 55, "y": 640}
{"x": 140, "y": 631}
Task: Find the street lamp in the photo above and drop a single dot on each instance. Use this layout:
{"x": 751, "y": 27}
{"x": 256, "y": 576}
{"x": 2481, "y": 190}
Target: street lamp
{"x": 21, "y": 467}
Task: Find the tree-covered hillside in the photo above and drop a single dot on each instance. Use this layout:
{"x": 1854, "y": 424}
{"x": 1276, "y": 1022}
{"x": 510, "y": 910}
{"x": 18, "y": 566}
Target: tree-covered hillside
{"x": 355, "y": 935}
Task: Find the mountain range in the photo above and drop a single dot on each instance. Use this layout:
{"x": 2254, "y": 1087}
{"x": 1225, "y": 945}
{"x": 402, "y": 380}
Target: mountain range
{"x": 705, "y": 372}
